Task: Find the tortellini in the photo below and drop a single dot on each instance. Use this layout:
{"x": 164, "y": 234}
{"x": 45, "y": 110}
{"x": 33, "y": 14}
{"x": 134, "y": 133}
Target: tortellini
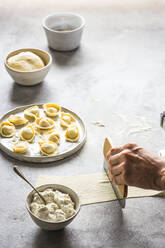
{"x": 21, "y": 147}
{"x": 17, "y": 120}
{"x": 44, "y": 123}
{"x": 48, "y": 148}
{"x": 66, "y": 119}
{"x": 72, "y": 133}
{"x": 7, "y": 129}
{"x": 54, "y": 136}
{"x": 31, "y": 113}
{"x": 27, "y": 133}
{"x": 51, "y": 109}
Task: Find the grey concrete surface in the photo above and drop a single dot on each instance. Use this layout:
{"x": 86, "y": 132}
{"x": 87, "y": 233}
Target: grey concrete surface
{"x": 117, "y": 76}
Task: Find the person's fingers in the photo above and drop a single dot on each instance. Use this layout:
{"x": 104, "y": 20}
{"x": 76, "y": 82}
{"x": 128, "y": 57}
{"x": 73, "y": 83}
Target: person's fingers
{"x": 118, "y": 158}
{"x": 114, "y": 160}
{"x": 118, "y": 179}
{"x": 110, "y": 175}
{"x": 118, "y": 169}
{"x": 134, "y": 157}
{"x": 108, "y": 155}
{"x": 109, "y": 170}
{"x": 130, "y": 146}
{"x": 116, "y": 150}
{"x": 113, "y": 151}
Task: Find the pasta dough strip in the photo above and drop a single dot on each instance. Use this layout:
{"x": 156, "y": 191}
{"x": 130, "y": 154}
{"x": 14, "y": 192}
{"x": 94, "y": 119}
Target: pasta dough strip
{"x": 94, "y": 188}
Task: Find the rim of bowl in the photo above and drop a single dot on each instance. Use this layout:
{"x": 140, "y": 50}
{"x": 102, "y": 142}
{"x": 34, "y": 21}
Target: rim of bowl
{"x": 29, "y": 48}
{"x": 63, "y": 13}
{"x": 51, "y": 222}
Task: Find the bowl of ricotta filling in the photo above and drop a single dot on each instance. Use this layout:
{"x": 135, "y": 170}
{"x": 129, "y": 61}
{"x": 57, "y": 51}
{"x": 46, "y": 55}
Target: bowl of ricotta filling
{"x": 28, "y": 66}
{"x": 62, "y": 206}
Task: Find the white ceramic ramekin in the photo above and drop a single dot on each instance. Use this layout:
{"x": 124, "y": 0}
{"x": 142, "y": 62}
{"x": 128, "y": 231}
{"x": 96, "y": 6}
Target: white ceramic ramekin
{"x": 31, "y": 77}
{"x": 72, "y": 26}
{"x": 47, "y": 225}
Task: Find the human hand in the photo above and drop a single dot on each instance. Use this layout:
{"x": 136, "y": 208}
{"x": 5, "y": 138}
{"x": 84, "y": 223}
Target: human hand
{"x": 134, "y": 166}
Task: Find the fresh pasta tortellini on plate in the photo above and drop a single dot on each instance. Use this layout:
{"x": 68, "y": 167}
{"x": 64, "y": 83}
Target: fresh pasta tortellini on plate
{"x": 72, "y": 133}
{"x": 54, "y": 136}
{"x": 17, "y": 120}
{"x": 51, "y": 109}
{"x": 66, "y": 119}
{"x": 44, "y": 123}
{"x": 20, "y": 147}
{"x": 7, "y": 129}
{"x": 42, "y": 130}
{"x": 27, "y": 133}
{"x": 31, "y": 113}
{"x": 48, "y": 148}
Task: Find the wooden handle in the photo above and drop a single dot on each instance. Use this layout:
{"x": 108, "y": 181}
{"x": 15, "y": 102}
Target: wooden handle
{"x": 107, "y": 147}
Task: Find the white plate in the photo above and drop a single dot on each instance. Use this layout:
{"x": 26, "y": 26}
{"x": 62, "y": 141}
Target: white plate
{"x": 66, "y": 149}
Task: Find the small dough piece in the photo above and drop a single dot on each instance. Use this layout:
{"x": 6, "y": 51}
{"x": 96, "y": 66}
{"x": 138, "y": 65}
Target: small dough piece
{"x": 51, "y": 109}
{"x": 27, "y": 133}
{"x": 31, "y": 113}
{"x": 21, "y": 147}
{"x": 44, "y": 123}
{"x": 54, "y": 136}
{"x": 48, "y": 148}
{"x": 7, "y": 129}
{"x": 17, "y": 120}
{"x": 25, "y": 61}
{"x": 72, "y": 133}
{"x": 66, "y": 119}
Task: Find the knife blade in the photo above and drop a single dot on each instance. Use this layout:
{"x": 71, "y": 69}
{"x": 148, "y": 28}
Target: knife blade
{"x": 119, "y": 190}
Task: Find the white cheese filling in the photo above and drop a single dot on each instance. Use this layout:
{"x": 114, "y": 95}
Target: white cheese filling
{"x": 59, "y": 206}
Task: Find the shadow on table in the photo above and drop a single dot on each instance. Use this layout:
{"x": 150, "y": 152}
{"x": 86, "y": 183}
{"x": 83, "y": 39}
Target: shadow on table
{"x": 94, "y": 223}
{"x": 63, "y": 59}
{"x": 61, "y": 238}
{"x": 23, "y": 95}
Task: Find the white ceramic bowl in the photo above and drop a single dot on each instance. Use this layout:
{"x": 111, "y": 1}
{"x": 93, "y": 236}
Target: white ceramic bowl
{"x": 31, "y": 77}
{"x": 72, "y": 26}
{"x": 46, "y": 225}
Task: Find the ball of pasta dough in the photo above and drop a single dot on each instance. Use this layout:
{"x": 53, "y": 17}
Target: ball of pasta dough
{"x": 25, "y": 61}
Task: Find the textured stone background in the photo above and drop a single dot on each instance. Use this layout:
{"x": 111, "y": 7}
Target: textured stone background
{"x": 117, "y": 76}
